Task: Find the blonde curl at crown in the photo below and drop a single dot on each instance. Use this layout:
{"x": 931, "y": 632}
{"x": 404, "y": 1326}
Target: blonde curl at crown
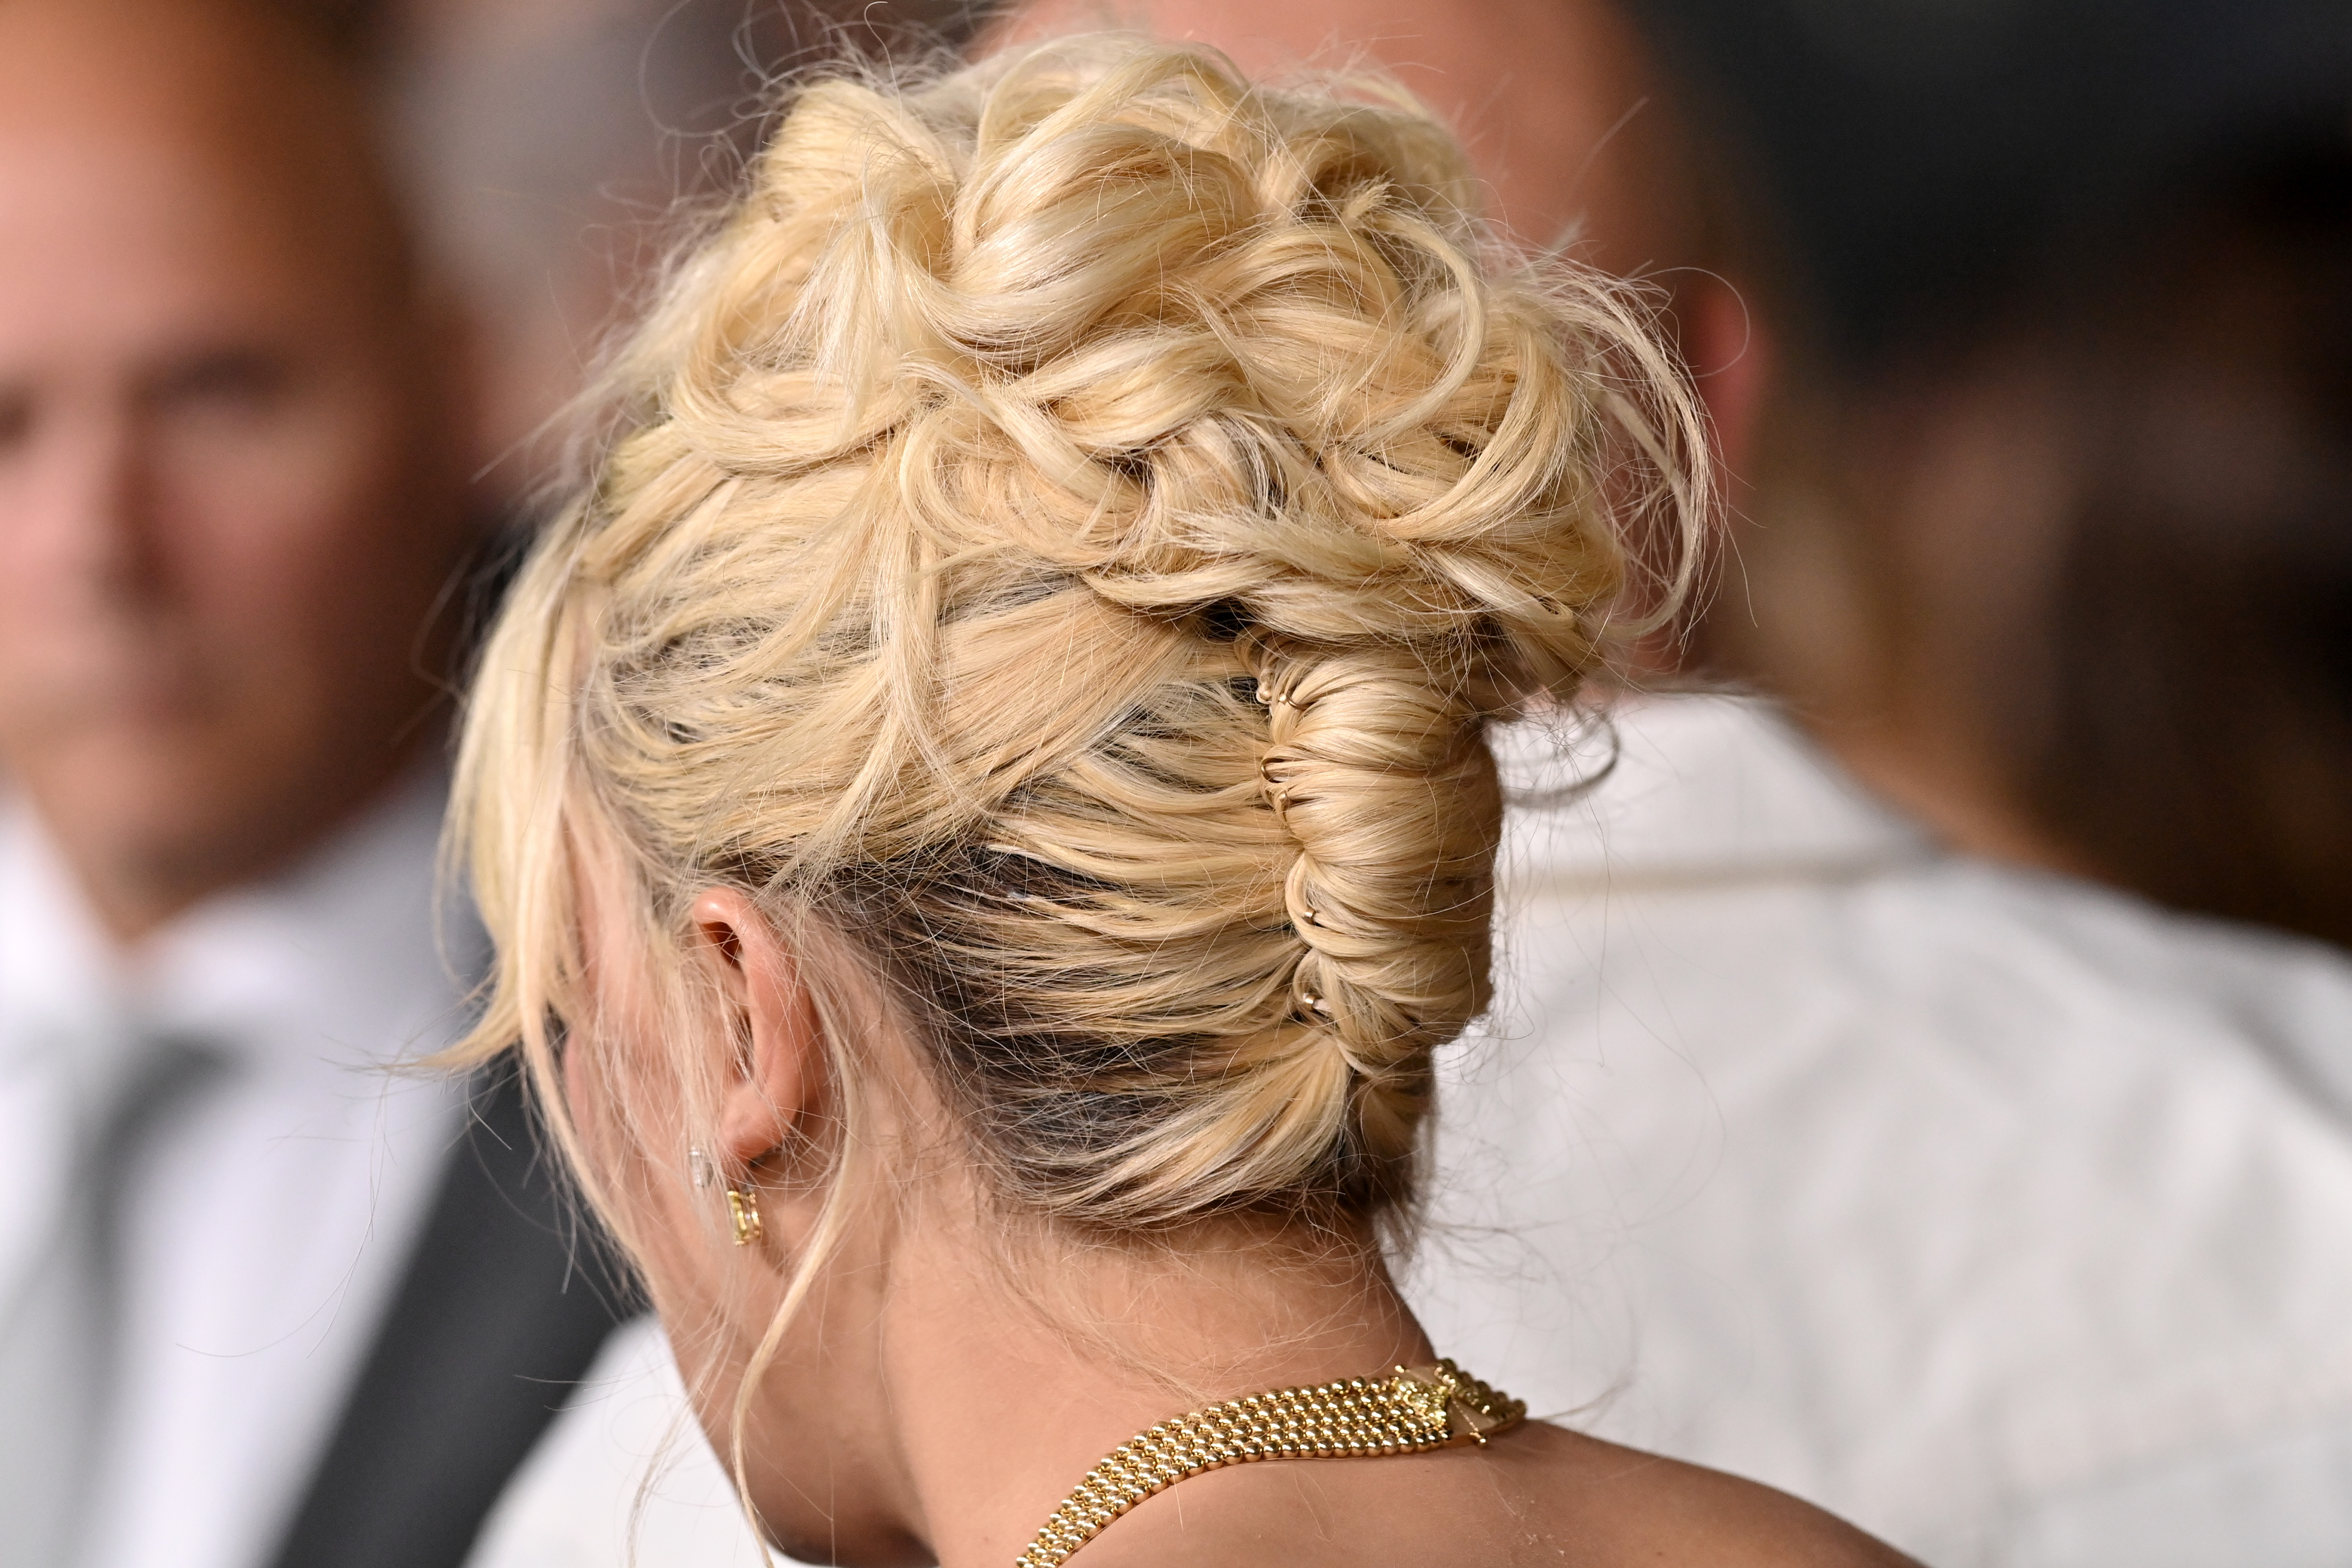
{"x": 1070, "y": 530}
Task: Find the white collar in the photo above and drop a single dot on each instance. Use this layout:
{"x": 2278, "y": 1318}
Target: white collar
{"x": 337, "y": 962}
{"x": 1704, "y": 790}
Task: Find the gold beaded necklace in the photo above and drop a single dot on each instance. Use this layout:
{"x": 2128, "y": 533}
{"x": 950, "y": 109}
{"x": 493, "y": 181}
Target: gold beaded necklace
{"x": 1411, "y": 1411}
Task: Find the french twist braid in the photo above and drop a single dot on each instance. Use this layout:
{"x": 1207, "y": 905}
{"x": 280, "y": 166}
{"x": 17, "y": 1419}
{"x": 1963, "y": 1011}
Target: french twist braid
{"x": 1377, "y": 772}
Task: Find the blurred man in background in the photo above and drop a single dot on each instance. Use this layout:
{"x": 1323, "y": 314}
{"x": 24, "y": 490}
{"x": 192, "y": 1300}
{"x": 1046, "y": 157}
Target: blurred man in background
{"x": 2005, "y": 1214}
{"x": 262, "y": 1299}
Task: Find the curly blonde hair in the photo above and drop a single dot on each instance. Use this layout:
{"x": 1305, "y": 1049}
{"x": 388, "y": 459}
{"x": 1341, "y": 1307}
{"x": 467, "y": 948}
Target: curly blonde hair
{"x": 1070, "y": 530}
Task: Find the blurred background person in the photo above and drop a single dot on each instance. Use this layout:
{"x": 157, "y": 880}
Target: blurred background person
{"x": 267, "y": 442}
{"x": 262, "y": 1299}
{"x": 1571, "y": 115}
{"x": 2003, "y": 1213}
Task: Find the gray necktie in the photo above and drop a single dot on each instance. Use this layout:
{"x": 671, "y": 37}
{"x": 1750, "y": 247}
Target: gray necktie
{"x": 60, "y": 1327}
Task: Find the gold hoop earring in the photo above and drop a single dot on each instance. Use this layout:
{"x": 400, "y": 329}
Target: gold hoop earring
{"x": 744, "y": 1207}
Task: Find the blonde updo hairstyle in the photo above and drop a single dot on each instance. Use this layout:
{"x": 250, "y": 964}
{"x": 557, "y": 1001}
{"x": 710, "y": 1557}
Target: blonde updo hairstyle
{"x": 1067, "y": 535}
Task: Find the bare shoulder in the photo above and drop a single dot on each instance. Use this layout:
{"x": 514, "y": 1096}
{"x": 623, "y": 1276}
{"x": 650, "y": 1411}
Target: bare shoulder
{"x": 1610, "y": 1505}
{"x": 1536, "y": 1495}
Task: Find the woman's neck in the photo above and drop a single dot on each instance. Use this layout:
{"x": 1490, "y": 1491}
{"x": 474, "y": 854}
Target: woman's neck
{"x": 1009, "y": 1369}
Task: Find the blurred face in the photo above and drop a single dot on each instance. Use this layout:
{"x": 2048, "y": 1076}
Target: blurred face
{"x": 227, "y": 504}
{"x": 1552, "y": 99}
{"x": 1566, "y": 118}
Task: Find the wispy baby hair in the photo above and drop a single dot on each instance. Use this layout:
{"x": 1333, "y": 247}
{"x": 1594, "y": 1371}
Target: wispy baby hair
{"x": 1071, "y": 528}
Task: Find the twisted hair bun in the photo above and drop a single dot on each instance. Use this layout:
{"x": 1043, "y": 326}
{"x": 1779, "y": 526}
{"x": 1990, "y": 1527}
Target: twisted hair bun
{"x": 1077, "y": 520}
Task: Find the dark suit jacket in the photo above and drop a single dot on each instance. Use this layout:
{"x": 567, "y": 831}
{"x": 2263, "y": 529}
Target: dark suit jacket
{"x": 507, "y": 1299}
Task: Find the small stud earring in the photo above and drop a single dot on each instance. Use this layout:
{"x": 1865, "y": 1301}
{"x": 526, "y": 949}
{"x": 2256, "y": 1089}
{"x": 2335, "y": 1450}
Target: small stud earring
{"x": 698, "y": 1166}
{"x": 744, "y": 1207}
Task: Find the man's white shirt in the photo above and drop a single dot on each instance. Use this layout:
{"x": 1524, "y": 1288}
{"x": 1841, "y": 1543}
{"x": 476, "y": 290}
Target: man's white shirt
{"x": 268, "y": 1212}
{"x": 2009, "y": 1217}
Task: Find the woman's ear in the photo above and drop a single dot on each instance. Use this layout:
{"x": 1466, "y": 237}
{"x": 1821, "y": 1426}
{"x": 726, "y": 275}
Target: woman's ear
{"x": 1729, "y": 347}
{"x": 774, "y": 1082}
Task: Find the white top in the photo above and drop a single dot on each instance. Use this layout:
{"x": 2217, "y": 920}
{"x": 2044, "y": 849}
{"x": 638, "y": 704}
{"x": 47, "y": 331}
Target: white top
{"x": 270, "y": 1213}
{"x": 2009, "y": 1217}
